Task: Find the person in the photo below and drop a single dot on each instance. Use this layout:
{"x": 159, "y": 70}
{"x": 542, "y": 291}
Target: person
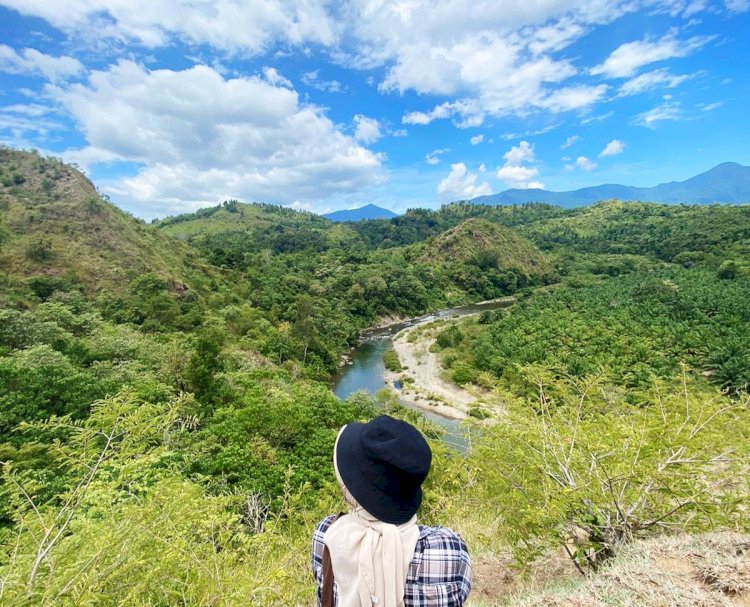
{"x": 376, "y": 554}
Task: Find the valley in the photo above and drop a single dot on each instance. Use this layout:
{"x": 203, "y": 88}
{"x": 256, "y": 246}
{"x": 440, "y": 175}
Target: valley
{"x": 167, "y": 413}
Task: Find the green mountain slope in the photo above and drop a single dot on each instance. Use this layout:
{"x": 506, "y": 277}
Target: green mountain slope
{"x": 487, "y": 245}
{"x": 54, "y": 225}
{"x": 234, "y": 215}
{"x": 697, "y": 233}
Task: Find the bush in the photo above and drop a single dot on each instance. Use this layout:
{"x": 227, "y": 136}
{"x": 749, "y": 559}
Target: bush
{"x": 463, "y": 374}
{"x": 392, "y": 363}
{"x": 478, "y": 412}
{"x": 569, "y": 468}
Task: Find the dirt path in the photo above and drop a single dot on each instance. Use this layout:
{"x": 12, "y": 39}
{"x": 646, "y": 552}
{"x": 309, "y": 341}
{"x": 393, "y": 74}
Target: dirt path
{"x": 427, "y": 388}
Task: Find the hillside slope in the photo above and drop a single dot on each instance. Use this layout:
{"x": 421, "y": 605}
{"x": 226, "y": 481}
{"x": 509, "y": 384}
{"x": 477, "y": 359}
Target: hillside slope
{"x": 54, "y": 224}
{"x": 709, "y": 570}
{"x": 487, "y": 245}
{"x": 233, "y": 216}
{"x": 699, "y": 233}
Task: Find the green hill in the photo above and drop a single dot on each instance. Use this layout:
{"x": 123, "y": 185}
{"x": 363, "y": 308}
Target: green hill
{"x": 56, "y": 228}
{"x": 694, "y": 233}
{"x": 487, "y": 245}
{"x": 234, "y": 215}
{"x": 230, "y": 232}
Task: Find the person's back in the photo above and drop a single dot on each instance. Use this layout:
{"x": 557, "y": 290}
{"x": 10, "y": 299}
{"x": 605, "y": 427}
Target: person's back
{"x": 377, "y": 554}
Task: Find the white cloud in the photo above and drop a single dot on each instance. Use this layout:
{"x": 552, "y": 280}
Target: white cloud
{"x": 497, "y": 59}
{"x": 574, "y": 97}
{"x": 433, "y": 157}
{"x": 461, "y": 185}
{"x": 710, "y": 106}
{"x": 518, "y": 154}
{"x": 666, "y": 111}
{"x": 628, "y": 58}
{"x": 737, "y": 6}
{"x": 33, "y": 63}
{"x": 299, "y": 205}
{"x": 313, "y": 80}
{"x": 250, "y": 26}
{"x": 569, "y": 142}
{"x": 366, "y": 130}
{"x": 243, "y": 138}
{"x": 33, "y": 110}
{"x": 477, "y": 139}
{"x": 585, "y": 163}
{"x": 613, "y": 148}
{"x": 273, "y": 76}
{"x": 651, "y": 80}
{"x": 597, "y": 118}
{"x": 517, "y": 176}
{"x": 464, "y": 108}
{"x": 19, "y": 121}
{"x": 531, "y": 133}
{"x": 514, "y": 173}
{"x": 400, "y": 133}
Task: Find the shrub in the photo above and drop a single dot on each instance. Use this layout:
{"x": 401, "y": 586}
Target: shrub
{"x": 463, "y": 374}
{"x": 392, "y": 363}
{"x": 569, "y": 468}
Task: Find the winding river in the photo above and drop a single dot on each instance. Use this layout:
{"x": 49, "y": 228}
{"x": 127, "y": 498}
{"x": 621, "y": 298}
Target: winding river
{"x": 365, "y": 369}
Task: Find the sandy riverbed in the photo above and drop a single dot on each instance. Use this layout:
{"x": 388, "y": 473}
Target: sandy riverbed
{"x": 427, "y": 390}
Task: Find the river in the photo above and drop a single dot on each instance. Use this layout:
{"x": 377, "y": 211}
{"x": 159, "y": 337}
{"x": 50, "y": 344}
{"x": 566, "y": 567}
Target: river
{"x": 365, "y": 369}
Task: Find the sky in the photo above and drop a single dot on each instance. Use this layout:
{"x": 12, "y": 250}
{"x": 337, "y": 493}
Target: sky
{"x": 173, "y": 105}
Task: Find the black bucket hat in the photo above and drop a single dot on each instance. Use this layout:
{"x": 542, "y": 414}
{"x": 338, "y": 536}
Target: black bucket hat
{"x": 383, "y": 464}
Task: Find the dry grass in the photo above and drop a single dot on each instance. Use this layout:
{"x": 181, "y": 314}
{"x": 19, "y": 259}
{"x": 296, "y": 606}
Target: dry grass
{"x": 709, "y": 570}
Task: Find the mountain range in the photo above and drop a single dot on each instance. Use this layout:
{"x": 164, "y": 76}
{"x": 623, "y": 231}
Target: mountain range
{"x": 727, "y": 183}
{"x": 369, "y": 211}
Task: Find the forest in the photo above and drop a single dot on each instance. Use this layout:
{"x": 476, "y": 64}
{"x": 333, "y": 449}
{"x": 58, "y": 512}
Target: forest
{"x": 166, "y": 414}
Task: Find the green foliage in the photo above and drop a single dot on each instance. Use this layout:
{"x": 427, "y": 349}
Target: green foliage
{"x": 206, "y": 362}
{"x": 728, "y": 270}
{"x": 392, "y": 363}
{"x": 573, "y": 467}
{"x": 38, "y": 382}
{"x": 708, "y": 233}
{"x": 130, "y": 530}
{"x": 274, "y": 433}
{"x": 40, "y": 251}
{"x": 450, "y": 337}
{"x": 635, "y": 327}
{"x": 462, "y": 374}
{"x": 44, "y": 286}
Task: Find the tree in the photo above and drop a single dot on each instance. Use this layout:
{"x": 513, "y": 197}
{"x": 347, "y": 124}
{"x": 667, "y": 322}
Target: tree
{"x": 207, "y": 362}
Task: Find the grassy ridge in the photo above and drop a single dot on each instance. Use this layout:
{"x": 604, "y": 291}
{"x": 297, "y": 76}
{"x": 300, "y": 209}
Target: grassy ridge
{"x": 55, "y": 226}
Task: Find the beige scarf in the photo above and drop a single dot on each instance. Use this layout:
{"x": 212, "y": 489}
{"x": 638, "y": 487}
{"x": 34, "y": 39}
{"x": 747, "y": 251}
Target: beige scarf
{"x": 370, "y": 558}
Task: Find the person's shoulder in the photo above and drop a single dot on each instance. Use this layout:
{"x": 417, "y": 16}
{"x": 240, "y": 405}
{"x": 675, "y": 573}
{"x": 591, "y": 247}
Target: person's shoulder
{"x": 442, "y": 539}
{"x": 323, "y": 525}
{"x": 443, "y": 568}
{"x": 318, "y": 540}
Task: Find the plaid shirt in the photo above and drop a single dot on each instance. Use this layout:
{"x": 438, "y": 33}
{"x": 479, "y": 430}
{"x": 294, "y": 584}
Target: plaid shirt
{"x": 439, "y": 574}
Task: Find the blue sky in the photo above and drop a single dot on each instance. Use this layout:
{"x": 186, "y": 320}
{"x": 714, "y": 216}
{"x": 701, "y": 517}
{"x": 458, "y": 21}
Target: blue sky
{"x": 174, "y": 105}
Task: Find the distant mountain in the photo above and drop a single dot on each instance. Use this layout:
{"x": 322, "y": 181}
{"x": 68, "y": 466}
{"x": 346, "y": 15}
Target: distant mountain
{"x": 726, "y": 183}
{"x": 369, "y": 211}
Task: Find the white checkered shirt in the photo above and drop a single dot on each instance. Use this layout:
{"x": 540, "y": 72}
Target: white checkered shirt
{"x": 439, "y": 574}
